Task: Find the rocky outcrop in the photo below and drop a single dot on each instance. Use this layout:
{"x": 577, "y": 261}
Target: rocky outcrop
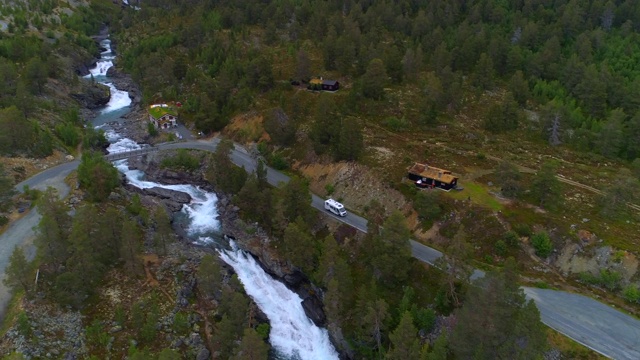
{"x": 49, "y": 332}
{"x": 177, "y": 196}
{"x": 172, "y": 199}
{"x": 92, "y": 95}
{"x": 124, "y": 82}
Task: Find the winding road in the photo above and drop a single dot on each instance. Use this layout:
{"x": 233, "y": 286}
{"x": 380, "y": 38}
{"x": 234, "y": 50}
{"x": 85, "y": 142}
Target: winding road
{"x": 587, "y": 321}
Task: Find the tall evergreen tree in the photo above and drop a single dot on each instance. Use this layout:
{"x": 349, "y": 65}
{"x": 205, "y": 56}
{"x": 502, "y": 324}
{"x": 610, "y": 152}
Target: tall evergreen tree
{"x": 497, "y": 322}
{"x": 18, "y": 272}
{"x": 251, "y": 347}
{"x": 546, "y": 187}
{"x": 404, "y": 341}
{"x": 374, "y": 80}
{"x": 97, "y": 176}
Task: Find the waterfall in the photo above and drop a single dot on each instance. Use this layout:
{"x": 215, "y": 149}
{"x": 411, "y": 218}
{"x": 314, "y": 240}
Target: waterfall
{"x": 293, "y": 335}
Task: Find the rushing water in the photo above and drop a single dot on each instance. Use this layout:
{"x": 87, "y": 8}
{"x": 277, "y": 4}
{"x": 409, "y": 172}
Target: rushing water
{"x": 119, "y": 103}
{"x": 293, "y": 335}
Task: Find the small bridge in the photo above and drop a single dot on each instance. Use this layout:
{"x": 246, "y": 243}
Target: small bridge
{"x": 132, "y": 153}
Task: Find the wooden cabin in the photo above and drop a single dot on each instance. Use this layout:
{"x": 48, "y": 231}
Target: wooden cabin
{"x": 324, "y": 85}
{"x": 425, "y": 176}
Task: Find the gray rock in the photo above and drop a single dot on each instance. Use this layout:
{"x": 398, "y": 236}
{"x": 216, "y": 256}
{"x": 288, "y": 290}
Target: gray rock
{"x": 115, "y": 329}
{"x": 313, "y": 308}
{"x": 203, "y": 354}
{"x": 172, "y": 195}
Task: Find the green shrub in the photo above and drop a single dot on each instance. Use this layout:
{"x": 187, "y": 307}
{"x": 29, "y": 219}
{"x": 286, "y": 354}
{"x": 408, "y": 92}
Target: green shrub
{"x": 152, "y": 129}
{"x": 69, "y": 134}
{"x": 511, "y": 238}
{"x": 119, "y": 316}
{"x": 396, "y": 124}
{"x": 330, "y": 189}
{"x": 631, "y": 293}
{"x": 263, "y": 330}
{"x": 23, "y": 326}
{"x": 278, "y": 162}
{"x": 96, "y": 336}
{"x": 522, "y": 229}
{"x": 183, "y": 160}
{"x": 181, "y": 323}
{"x": 610, "y": 279}
{"x": 542, "y": 244}
{"x": 424, "y": 319}
{"x": 427, "y": 205}
{"x": 589, "y": 278}
{"x": 501, "y": 247}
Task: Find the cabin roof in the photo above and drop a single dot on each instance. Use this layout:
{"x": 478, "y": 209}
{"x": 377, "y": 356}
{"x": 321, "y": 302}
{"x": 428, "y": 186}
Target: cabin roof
{"x": 426, "y": 171}
{"x": 159, "y": 110}
{"x": 320, "y": 81}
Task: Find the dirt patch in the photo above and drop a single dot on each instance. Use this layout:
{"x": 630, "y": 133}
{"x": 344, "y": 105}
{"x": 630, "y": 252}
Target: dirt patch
{"x": 247, "y": 128}
{"x": 23, "y": 168}
{"x": 355, "y": 185}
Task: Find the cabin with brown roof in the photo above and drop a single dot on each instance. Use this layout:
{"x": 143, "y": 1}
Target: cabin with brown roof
{"x": 426, "y": 176}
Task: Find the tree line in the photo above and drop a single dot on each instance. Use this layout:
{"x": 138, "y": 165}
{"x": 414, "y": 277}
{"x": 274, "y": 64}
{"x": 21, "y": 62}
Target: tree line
{"x": 572, "y": 59}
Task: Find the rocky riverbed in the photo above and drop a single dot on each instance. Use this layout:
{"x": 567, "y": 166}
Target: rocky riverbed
{"x": 249, "y": 237}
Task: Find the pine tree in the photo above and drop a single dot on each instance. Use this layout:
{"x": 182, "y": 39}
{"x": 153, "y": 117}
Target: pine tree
{"x": 163, "y": 232}
{"x": 508, "y": 178}
{"x": 390, "y": 253}
{"x": 374, "y": 80}
{"x": 53, "y": 229}
{"x": 374, "y": 321}
{"x": 18, "y": 272}
{"x": 404, "y": 342}
{"x": 209, "y": 275}
{"x": 546, "y": 187}
{"x": 97, "y": 176}
{"x": 252, "y": 347}
{"x": 497, "y": 322}
{"x": 299, "y": 246}
{"x": 130, "y": 248}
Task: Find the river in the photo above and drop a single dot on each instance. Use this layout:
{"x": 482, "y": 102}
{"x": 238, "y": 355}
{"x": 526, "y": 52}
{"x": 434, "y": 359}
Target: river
{"x": 293, "y": 335}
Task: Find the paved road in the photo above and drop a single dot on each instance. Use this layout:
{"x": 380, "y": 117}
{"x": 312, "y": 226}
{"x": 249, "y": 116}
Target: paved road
{"x": 595, "y": 325}
{"x": 21, "y": 233}
{"x": 589, "y": 322}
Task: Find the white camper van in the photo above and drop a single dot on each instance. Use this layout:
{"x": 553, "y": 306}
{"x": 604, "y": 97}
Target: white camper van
{"x": 335, "y": 207}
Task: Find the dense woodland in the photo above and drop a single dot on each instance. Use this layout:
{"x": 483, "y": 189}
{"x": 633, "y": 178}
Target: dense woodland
{"x": 572, "y": 62}
{"x": 379, "y": 303}
{"x": 575, "y": 61}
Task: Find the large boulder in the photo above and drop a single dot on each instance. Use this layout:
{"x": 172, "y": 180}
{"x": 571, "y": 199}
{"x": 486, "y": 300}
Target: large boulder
{"x": 92, "y": 95}
{"x": 313, "y": 308}
{"x": 176, "y": 196}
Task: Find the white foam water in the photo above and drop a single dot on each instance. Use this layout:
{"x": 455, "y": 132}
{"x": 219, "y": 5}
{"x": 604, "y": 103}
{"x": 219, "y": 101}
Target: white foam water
{"x": 119, "y": 99}
{"x": 201, "y": 210}
{"x": 119, "y": 144}
{"x": 105, "y": 61}
{"x": 101, "y": 68}
{"x": 292, "y": 333}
